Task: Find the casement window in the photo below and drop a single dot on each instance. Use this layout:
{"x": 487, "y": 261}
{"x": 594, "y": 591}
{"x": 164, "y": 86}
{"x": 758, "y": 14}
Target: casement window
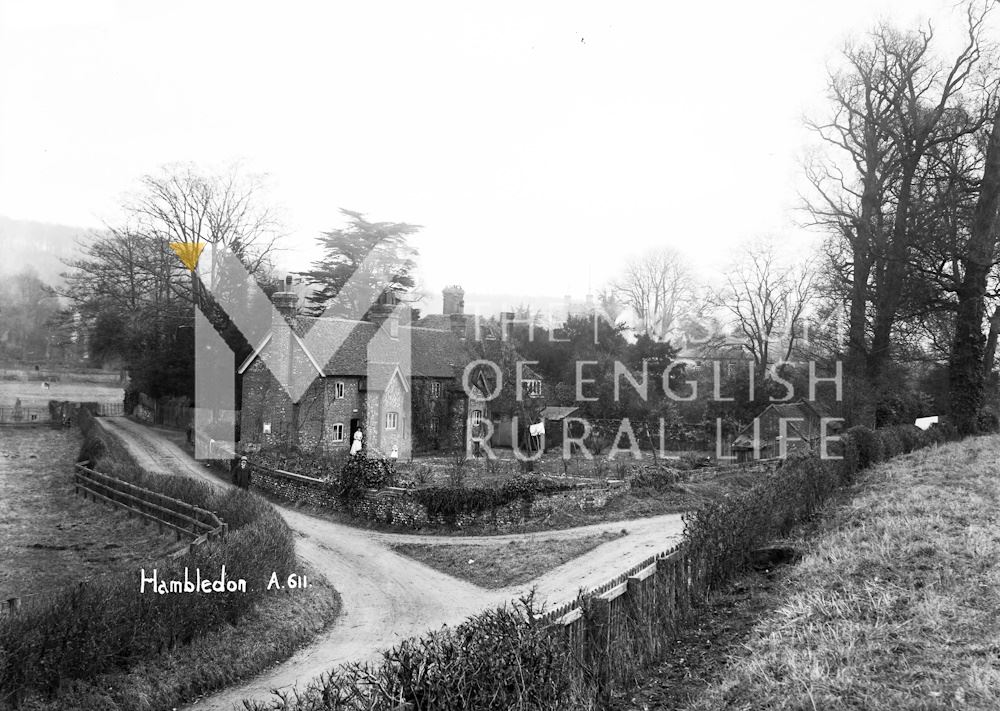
{"x": 391, "y": 420}
{"x": 338, "y": 433}
{"x": 338, "y": 389}
{"x": 533, "y": 388}
{"x": 477, "y": 417}
{"x": 435, "y": 424}
{"x": 435, "y": 389}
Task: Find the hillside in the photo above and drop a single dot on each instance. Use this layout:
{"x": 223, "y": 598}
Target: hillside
{"x": 39, "y": 245}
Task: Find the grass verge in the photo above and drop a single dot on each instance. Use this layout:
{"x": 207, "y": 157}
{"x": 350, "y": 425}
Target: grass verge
{"x": 277, "y": 626}
{"x": 503, "y": 564}
{"x": 895, "y": 604}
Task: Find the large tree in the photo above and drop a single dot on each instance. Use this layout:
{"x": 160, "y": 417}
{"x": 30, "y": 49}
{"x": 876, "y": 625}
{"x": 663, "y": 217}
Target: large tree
{"x": 135, "y": 296}
{"x": 766, "y": 300}
{"x": 359, "y": 259}
{"x": 899, "y": 110}
{"x": 658, "y": 288}
{"x": 967, "y": 368}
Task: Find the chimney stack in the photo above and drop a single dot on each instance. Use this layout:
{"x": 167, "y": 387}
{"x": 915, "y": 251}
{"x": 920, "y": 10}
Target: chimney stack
{"x": 453, "y": 300}
{"x": 285, "y": 302}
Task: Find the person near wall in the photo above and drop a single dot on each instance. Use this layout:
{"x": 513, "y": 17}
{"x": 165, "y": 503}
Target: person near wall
{"x": 241, "y": 472}
{"x": 356, "y": 444}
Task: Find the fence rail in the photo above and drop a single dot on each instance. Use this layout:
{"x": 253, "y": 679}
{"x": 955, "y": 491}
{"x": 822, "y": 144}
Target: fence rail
{"x": 184, "y": 519}
{"x": 180, "y": 516}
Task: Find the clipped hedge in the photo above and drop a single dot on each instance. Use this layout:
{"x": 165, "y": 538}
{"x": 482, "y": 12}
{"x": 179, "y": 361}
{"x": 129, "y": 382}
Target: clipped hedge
{"x": 105, "y": 624}
{"x": 721, "y": 535}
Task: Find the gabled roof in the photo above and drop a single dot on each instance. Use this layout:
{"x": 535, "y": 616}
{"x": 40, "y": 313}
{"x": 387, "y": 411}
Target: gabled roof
{"x": 434, "y": 353}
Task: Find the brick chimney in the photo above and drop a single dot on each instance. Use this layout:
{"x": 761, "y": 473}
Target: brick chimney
{"x": 453, "y": 300}
{"x": 285, "y": 302}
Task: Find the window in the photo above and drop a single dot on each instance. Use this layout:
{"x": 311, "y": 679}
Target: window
{"x": 533, "y": 388}
{"x": 435, "y": 424}
{"x": 338, "y": 389}
{"x": 477, "y": 417}
{"x": 435, "y": 389}
{"x": 338, "y": 433}
{"x": 391, "y": 420}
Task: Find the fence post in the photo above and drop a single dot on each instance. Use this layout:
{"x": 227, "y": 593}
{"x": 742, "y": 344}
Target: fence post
{"x": 596, "y": 643}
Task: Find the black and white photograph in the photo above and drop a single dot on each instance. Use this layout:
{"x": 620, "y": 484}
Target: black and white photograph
{"x": 456, "y": 356}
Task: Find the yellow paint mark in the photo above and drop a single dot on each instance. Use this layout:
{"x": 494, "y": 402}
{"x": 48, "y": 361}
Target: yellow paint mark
{"x": 189, "y": 252}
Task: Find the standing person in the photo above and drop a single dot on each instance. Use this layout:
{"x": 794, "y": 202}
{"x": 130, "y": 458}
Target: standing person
{"x": 356, "y": 445}
{"x": 241, "y": 473}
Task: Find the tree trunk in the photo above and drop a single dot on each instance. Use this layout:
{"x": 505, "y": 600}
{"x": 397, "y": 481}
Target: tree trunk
{"x": 965, "y": 374}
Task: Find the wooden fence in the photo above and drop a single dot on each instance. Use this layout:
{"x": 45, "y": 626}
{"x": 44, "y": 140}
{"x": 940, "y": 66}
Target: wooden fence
{"x": 181, "y": 517}
{"x": 185, "y": 520}
{"x": 618, "y": 628}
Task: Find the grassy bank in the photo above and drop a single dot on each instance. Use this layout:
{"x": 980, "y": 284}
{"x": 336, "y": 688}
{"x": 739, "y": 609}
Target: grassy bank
{"x": 897, "y": 601}
{"x": 103, "y": 644}
{"x": 503, "y": 564}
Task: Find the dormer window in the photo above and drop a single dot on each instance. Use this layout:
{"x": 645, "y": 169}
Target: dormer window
{"x": 533, "y": 388}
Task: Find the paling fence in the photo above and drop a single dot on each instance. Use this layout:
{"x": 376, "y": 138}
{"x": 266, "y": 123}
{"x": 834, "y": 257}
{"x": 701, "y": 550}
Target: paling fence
{"x": 616, "y": 629}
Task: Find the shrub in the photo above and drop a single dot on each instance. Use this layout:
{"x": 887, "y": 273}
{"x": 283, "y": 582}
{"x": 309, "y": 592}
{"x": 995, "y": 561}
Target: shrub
{"x": 500, "y": 659}
{"x": 988, "y": 421}
{"x": 362, "y": 472}
{"x": 870, "y": 449}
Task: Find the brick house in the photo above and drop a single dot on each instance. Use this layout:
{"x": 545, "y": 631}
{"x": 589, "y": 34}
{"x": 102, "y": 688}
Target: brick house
{"x": 362, "y": 385}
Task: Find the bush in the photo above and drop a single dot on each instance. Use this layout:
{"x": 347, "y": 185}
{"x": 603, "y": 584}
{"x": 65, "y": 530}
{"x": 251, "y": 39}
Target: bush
{"x": 106, "y": 624}
{"x": 988, "y": 422}
{"x": 499, "y": 659}
{"x": 362, "y": 472}
{"x": 870, "y": 448}
{"x": 293, "y": 459}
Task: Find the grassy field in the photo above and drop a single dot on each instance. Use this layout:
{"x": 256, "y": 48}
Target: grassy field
{"x": 896, "y": 603}
{"x": 48, "y": 537}
{"x": 497, "y": 566}
{"x": 33, "y": 395}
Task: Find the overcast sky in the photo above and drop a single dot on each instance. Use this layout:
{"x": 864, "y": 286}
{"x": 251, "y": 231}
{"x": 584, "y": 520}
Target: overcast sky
{"x": 539, "y": 144}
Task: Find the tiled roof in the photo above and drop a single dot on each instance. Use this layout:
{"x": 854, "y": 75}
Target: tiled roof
{"x": 435, "y": 353}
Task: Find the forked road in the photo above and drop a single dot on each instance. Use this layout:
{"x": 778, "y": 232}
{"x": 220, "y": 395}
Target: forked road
{"x": 386, "y": 596}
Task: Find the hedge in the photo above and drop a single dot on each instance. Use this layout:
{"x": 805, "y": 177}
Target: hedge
{"x": 105, "y": 625}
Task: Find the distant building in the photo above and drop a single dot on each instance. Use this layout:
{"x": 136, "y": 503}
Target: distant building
{"x": 802, "y": 425}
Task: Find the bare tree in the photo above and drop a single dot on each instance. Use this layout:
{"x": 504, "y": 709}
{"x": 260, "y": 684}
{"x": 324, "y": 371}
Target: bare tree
{"x": 966, "y": 371}
{"x": 767, "y": 302}
{"x": 658, "y": 288}
{"x": 897, "y": 109}
{"x": 183, "y": 204}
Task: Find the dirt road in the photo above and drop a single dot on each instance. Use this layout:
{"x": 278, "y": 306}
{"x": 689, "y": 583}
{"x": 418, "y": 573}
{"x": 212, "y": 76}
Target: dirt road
{"x": 387, "y": 596}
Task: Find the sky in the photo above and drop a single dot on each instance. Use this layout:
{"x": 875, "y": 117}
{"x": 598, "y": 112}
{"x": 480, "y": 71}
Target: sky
{"x": 540, "y": 145}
